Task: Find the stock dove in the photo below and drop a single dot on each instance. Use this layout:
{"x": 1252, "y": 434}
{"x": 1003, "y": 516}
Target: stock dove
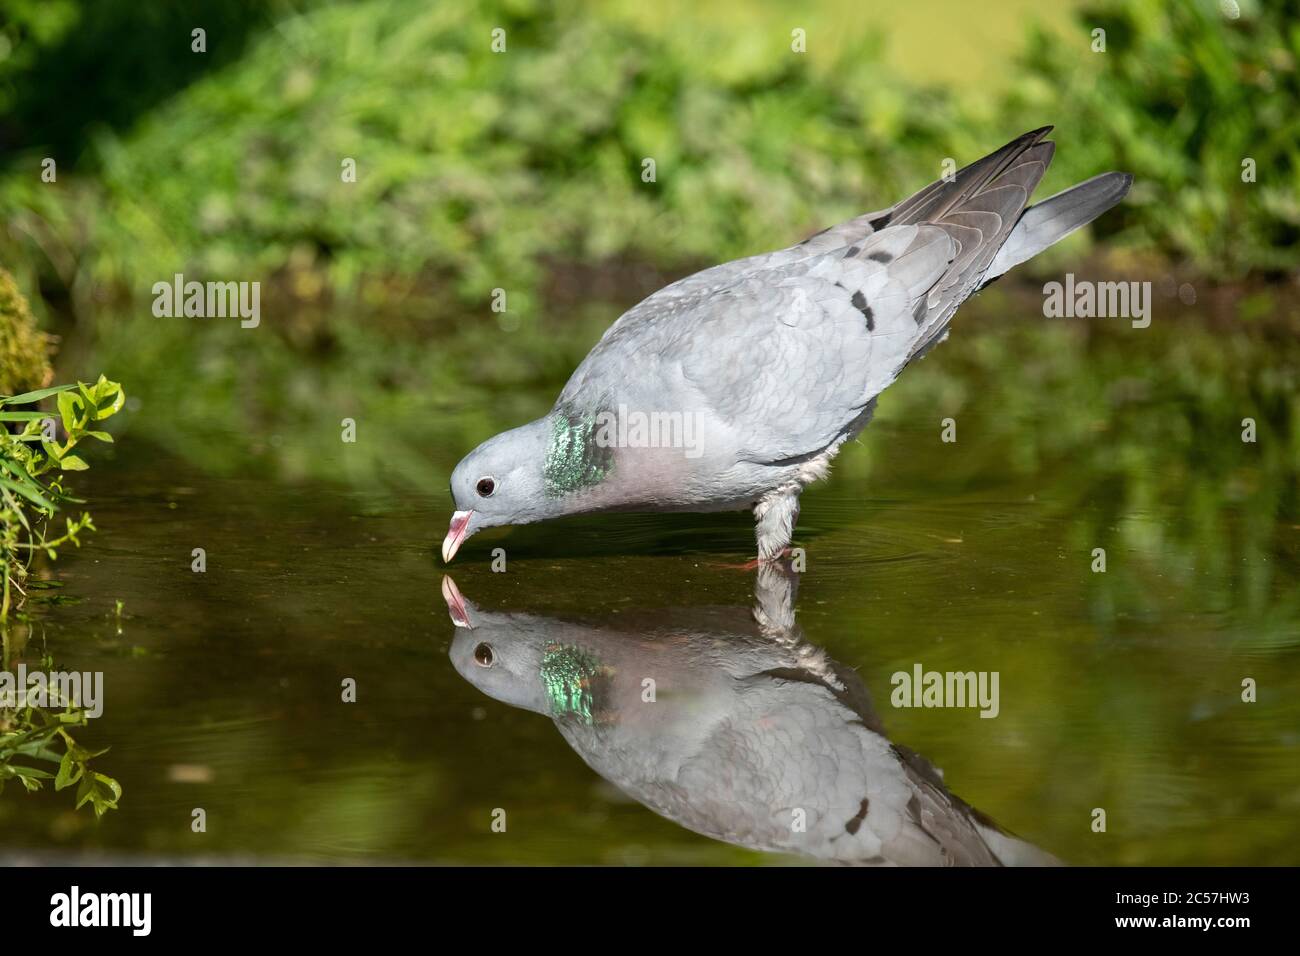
{"x": 752, "y": 735}
{"x": 733, "y": 388}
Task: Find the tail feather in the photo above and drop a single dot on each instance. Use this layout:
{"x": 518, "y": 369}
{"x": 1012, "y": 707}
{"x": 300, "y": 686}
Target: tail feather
{"x": 1013, "y": 851}
{"x": 943, "y": 195}
{"x": 978, "y": 209}
{"x": 1051, "y": 220}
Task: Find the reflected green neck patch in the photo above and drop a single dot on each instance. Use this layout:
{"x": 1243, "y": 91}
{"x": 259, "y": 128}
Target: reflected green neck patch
{"x": 567, "y": 674}
{"x": 574, "y": 459}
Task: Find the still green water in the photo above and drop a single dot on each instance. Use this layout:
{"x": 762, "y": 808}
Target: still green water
{"x": 1119, "y": 690}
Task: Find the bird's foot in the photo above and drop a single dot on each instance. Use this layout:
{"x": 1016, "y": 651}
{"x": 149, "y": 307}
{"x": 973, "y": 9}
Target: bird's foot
{"x": 754, "y": 564}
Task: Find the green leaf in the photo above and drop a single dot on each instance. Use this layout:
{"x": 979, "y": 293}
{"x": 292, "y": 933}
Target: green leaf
{"x": 26, "y": 398}
{"x": 68, "y": 405}
{"x": 72, "y": 463}
{"x": 16, "y": 507}
{"x": 105, "y": 399}
{"x": 30, "y": 777}
{"x": 70, "y": 770}
{"x": 32, "y": 416}
{"x": 101, "y": 791}
{"x": 35, "y": 491}
{"x": 16, "y": 469}
{"x": 31, "y": 494}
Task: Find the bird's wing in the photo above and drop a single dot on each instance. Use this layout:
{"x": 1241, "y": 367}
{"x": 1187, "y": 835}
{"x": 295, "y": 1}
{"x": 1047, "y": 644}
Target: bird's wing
{"x": 786, "y": 351}
{"x": 789, "y": 360}
{"x": 708, "y": 281}
{"x": 789, "y": 768}
{"x": 783, "y": 360}
{"x": 979, "y": 205}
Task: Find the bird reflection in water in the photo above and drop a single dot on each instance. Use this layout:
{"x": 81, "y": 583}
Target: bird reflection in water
{"x": 729, "y": 723}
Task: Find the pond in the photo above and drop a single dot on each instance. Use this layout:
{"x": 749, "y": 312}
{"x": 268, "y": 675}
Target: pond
{"x": 1118, "y": 690}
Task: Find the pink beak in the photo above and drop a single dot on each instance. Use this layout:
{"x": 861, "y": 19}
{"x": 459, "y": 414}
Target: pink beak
{"x": 456, "y": 534}
{"x": 455, "y": 603}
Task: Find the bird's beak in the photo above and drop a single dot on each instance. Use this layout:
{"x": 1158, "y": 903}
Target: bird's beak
{"x": 457, "y": 533}
{"x": 455, "y": 603}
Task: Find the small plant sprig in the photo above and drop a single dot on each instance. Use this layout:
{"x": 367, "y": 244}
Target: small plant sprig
{"x": 28, "y": 504}
{"x": 32, "y": 463}
{"x": 33, "y": 732}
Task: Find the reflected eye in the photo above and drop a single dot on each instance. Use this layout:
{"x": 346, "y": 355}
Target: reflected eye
{"x": 486, "y": 486}
{"x": 483, "y": 656}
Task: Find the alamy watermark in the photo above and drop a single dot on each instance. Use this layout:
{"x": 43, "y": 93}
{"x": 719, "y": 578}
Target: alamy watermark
{"x": 922, "y": 688}
{"x": 133, "y": 911}
{"x": 627, "y": 428}
{"x": 25, "y": 688}
{"x": 208, "y": 300}
{"x": 1085, "y": 299}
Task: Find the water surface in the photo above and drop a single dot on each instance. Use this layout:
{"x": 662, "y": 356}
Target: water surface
{"x": 1119, "y": 690}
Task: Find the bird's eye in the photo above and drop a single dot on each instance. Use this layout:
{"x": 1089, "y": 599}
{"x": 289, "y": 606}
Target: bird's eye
{"x": 483, "y": 655}
{"x": 486, "y": 486}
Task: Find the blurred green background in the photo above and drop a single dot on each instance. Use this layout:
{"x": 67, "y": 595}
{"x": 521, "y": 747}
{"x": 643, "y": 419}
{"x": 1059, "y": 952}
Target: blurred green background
{"x": 522, "y": 171}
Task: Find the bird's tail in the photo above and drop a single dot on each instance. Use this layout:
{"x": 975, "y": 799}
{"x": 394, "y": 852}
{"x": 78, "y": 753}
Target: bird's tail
{"x": 1051, "y": 220}
{"x": 1006, "y": 848}
{"x": 978, "y": 208}
{"x": 1011, "y": 850}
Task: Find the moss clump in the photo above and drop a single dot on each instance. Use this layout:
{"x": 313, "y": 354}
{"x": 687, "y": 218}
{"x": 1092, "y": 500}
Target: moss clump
{"x": 24, "y": 349}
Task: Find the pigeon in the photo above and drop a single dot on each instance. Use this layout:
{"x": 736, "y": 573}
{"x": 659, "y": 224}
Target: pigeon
{"x": 735, "y": 387}
{"x": 732, "y": 725}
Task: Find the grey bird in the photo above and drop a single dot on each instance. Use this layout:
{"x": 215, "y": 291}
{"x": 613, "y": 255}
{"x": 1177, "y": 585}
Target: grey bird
{"x": 729, "y": 723}
{"x": 733, "y": 388}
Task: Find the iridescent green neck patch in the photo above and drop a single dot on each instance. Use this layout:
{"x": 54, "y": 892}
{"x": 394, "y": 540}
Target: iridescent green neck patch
{"x": 574, "y": 459}
{"x": 567, "y": 674}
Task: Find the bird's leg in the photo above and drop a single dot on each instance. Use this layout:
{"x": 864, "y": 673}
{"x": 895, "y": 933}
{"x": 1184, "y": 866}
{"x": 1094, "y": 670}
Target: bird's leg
{"x": 754, "y": 563}
{"x": 775, "y": 587}
{"x": 775, "y": 516}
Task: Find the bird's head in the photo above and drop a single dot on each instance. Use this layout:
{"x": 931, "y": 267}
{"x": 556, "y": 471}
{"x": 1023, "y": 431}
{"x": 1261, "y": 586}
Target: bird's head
{"x": 499, "y": 483}
{"x": 519, "y": 659}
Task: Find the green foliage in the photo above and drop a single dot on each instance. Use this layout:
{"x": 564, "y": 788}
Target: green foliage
{"x": 477, "y": 170}
{"x": 27, "y": 504}
{"x": 68, "y": 66}
{"x": 24, "y": 350}
{"x": 31, "y": 733}
{"x": 28, "y": 30}
{"x": 1181, "y": 97}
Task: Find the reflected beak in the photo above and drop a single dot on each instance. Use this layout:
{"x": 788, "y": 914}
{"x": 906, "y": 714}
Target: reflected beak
{"x": 456, "y": 534}
{"x": 455, "y": 603}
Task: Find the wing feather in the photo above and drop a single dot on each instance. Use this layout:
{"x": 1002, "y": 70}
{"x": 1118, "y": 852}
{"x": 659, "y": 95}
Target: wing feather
{"x": 787, "y": 351}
